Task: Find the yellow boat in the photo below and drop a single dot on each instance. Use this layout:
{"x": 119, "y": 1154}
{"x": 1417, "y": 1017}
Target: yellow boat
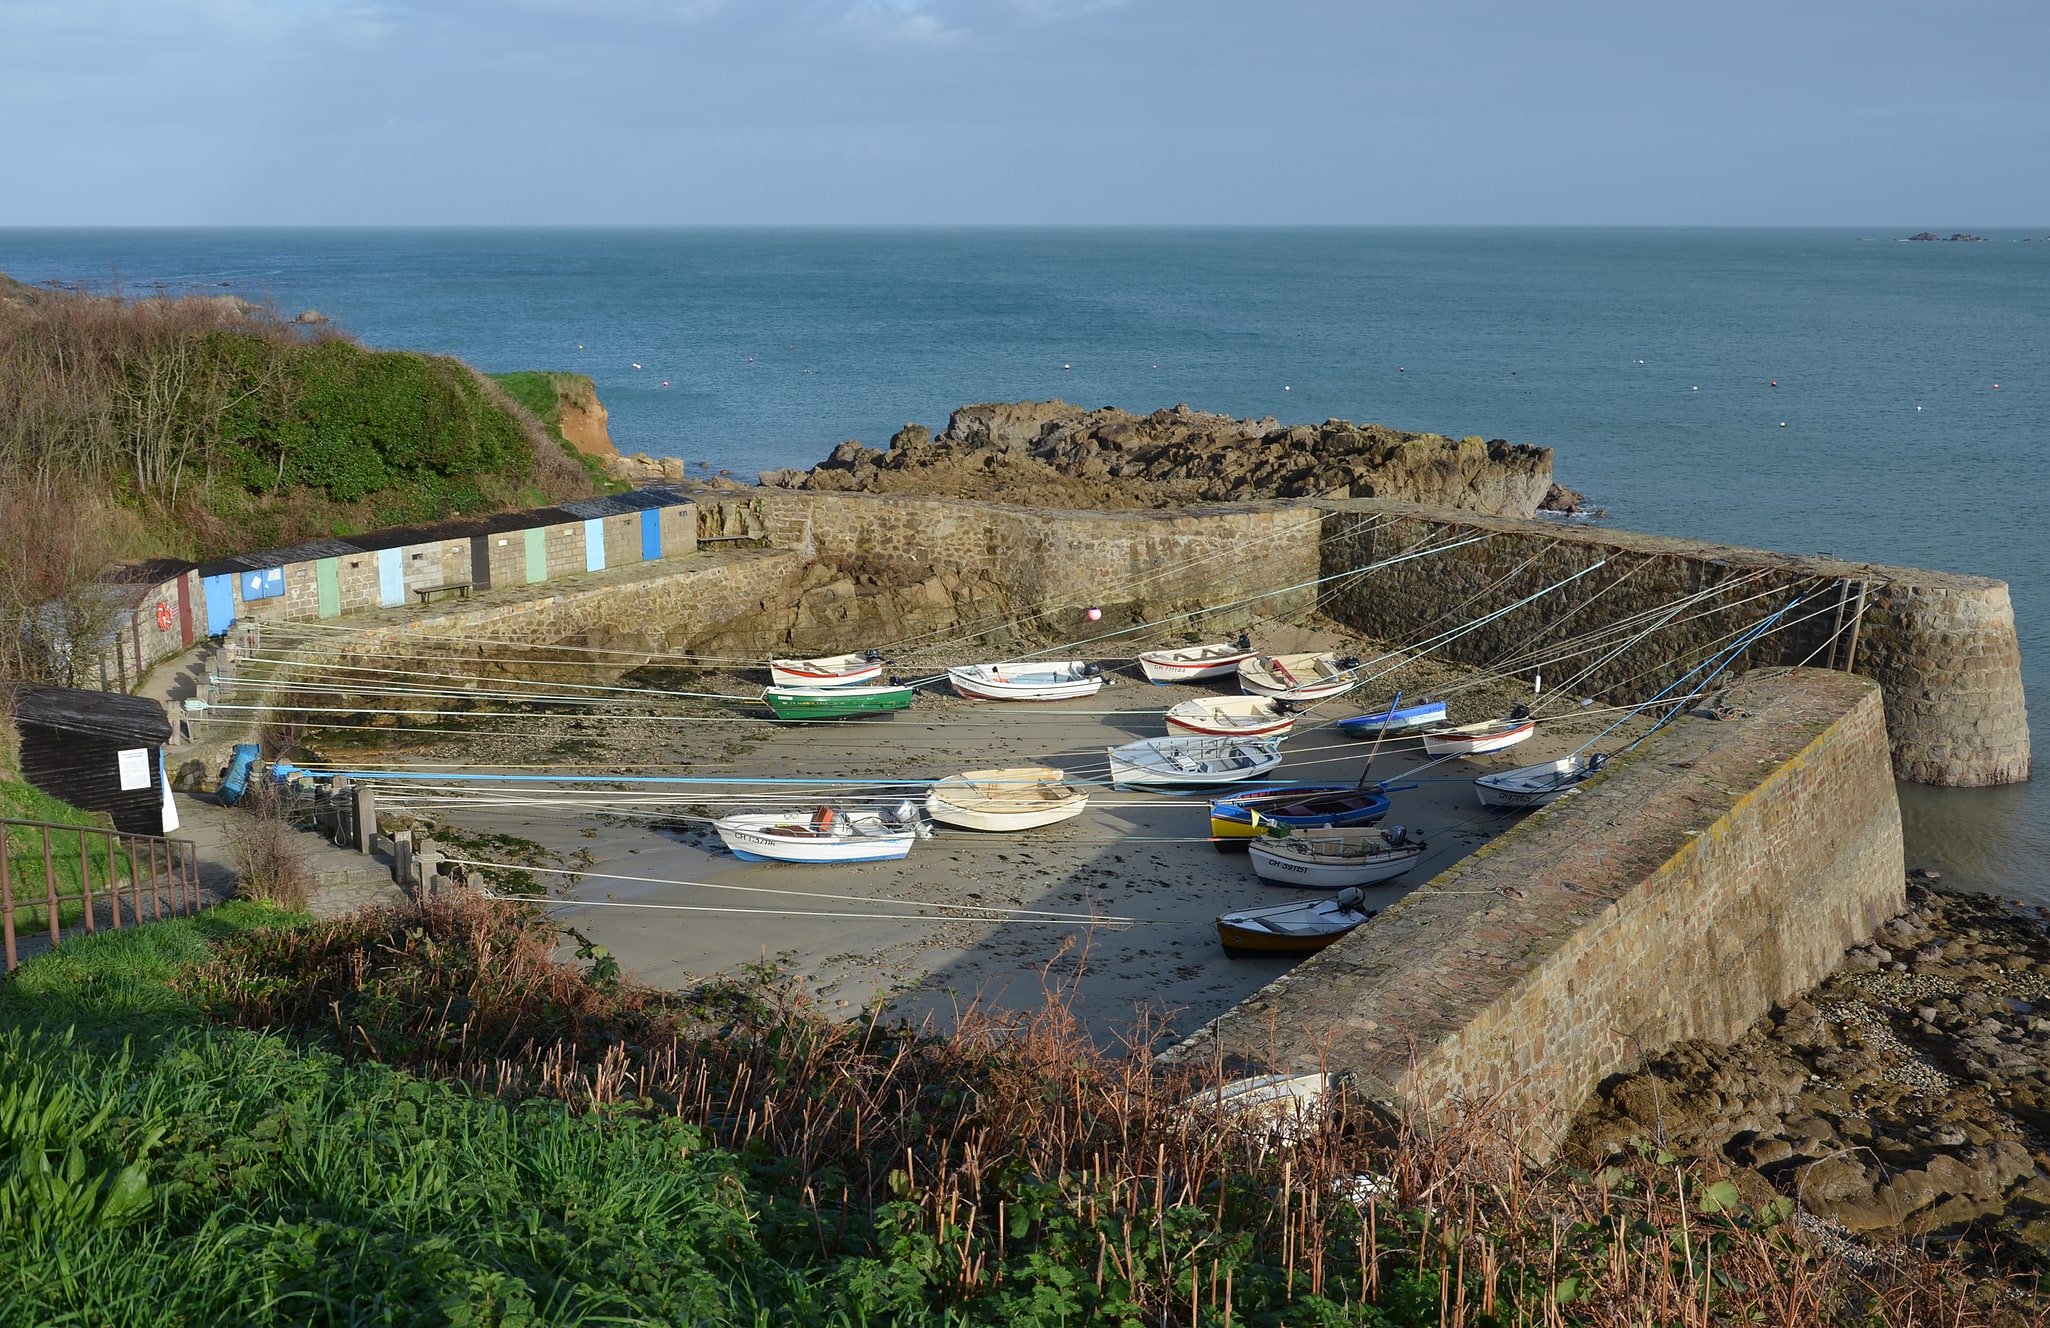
{"x": 1298, "y": 928}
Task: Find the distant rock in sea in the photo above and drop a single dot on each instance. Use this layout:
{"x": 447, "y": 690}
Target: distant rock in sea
{"x": 1932, "y": 235}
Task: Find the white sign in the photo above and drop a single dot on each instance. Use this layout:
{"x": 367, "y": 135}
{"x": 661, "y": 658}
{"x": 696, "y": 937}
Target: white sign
{"x": 134, "y": 768}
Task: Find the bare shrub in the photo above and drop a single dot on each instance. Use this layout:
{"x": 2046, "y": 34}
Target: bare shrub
{"x": 270, "y": 857}
{"x": 55, "y": 615}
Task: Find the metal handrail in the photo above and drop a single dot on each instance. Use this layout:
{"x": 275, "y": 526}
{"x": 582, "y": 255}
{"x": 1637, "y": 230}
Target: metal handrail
{"x": 173, "y": 873}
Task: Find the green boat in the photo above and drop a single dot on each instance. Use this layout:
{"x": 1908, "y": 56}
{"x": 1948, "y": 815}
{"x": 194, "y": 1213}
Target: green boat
{"x": 835, "y": 702}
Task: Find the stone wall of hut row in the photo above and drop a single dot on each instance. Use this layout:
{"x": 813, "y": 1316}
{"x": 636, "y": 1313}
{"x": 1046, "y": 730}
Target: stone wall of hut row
{"x": 1724, "y": 866}
{"x": 1942, "y": 647}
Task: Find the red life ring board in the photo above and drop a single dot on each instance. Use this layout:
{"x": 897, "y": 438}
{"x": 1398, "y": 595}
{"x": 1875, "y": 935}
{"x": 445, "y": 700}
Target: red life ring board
{"x": 163, "y": 615}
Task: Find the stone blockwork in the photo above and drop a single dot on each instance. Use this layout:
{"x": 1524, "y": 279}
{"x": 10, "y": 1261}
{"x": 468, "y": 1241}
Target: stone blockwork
{"x": 1724, "y": 866}
{"x": 1942, "y": 646}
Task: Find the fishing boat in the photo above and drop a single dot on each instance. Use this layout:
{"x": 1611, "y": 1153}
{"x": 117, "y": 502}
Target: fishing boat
{"x": 836, "y": 702}
{"x": 1299, "y": 677}
{"x": 1035, "y": 680}
{"x": 1308, "y": 924}
{"x": 826, "y": 834}
{"x": 1019, "y": 798}
{"x": 832, "y": 671}
{"x": 1233, "y": 716}
{"x": 1537, "y": 785}
{"x": 1417, "y": 716}
{"x": 1235, "y": 820}
{"x": 1334, "y": 859}
{"x": 1490, "y": 735}
{"x": 1190, "y": 663}
{"x": 1193, "y": 760}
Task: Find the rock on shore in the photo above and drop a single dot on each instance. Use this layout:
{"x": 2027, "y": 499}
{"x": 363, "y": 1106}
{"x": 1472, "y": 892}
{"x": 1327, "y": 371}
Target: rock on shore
{"x": 1910, "y": 1091}
{"x": 1052, "y": 454}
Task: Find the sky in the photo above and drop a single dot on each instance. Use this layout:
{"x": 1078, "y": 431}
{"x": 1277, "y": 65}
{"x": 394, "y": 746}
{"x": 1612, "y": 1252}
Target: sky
{"x": 890, "y": 112}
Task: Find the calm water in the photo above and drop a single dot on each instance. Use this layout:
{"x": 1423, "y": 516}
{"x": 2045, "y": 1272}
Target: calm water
{"x": 1885, "y": 438}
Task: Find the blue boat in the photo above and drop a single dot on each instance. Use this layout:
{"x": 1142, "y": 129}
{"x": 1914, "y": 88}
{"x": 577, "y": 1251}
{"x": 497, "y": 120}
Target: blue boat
{"x": 1408, "y": 717}
{"x": 1237, "y": 820}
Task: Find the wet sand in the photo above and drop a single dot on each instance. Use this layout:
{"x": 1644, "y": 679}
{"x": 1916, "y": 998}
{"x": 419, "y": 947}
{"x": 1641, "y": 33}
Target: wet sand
{"x": 675, "y": 908}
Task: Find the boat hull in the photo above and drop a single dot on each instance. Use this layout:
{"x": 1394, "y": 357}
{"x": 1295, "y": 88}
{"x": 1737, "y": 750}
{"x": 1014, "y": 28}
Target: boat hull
{"x": 1451, "y": 742}
{"x": 1394, "y": 721}
{"x": 1532, "y": 785}
{"x": 845, "y": 671}
{"x": 1221, "y": 719}
{"x": 1162, "y": 669}
{"x": 755, "y": 837}
{"x": 1233, "y": 828}
{"x": 1038, "y": 796}
{"x": 1295, "y": 677}
{"x": 835, "y": 702}
{"x": 1192, "y": 762}
{"x": 1048, "y": 683}
{"x": 1310, "y": 872}
{"x": 1288, "y": 928}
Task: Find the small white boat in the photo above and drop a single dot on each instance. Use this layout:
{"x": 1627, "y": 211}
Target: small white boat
{"x": 1537, "y": 785}
{"x": 826, "y": 834}
{"x": 1299, "y": 677}
{"x": 1308, "y": 924}
{"x": 1232, "y": 716}
{"x": 1033, "y": 680}
{"x": 832, "y": 671}
{"x": 1490, "y": 735}
{"x": 1335, "y": 859}
{"x": 1190, "y": 663}
{"x": 1193, "y": 760}
{"x": 1424, "y": 714}
{"x": 1019, "y": 798}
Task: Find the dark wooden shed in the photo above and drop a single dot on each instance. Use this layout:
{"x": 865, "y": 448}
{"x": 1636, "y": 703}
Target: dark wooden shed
{"x": 99, "y": 750}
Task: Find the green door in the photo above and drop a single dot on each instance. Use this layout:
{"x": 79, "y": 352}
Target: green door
{"x": 537, "y": 555}
{"x": 327, "y": 579}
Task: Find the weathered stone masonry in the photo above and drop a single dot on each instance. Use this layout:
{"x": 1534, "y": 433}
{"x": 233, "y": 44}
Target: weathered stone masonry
{"x": 1676, "y": 896}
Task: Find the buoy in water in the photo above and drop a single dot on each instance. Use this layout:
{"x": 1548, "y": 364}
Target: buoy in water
{"x": 1783, "y": 424}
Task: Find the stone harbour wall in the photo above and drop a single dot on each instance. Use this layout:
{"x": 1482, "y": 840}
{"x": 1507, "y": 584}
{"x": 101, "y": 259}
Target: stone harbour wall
{"x": 1941, "y": 646}
{"x": 1723, "y": 867}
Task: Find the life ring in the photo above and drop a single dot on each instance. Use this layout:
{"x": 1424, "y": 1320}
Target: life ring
{"x": 163, "y": 615}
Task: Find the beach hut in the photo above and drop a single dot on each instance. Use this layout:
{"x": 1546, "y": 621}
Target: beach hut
{"x": 103, "y": 751}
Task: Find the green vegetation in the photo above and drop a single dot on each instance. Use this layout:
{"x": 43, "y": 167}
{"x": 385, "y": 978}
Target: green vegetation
{"x": 22, "y": 801}
{"x": 541, "y": 394}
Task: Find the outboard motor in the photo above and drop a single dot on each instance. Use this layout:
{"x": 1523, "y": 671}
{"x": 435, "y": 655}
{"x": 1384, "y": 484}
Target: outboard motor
{"x": 1520, "y": 712}
{"x": 1351, "y": 898}
{"x": 1092, "y": 670}
{"x": 1245, "y": 641}
{"x": 1349, "y": 661}
{"x": 872, "y": 656}
{"x": 1287, "y": 707}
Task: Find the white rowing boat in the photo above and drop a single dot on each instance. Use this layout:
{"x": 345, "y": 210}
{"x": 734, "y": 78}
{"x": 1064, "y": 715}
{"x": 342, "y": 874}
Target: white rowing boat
{"x": 1299, "y": 677}
{"x": 1232, "y": 716}
{"x": 1537, "y": 785}
{"x": 1490, "y": 735}
{"x": 1308, "y": 924}
{"x": 1193, "y": 760}
{"x": 832, "y": 671}
{"x": 1033, "y": 680}
{"x": 1335, "y": 859}
{"x": 1019, "y": 798}
{"x": 1190, "y": 663}
{"x": 827, "y": 834}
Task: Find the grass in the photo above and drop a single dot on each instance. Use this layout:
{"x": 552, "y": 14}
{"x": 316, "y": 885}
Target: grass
{"x": 20, "y": 800}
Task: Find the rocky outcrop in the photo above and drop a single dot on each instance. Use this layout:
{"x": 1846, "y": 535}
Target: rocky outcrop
{"x": 583, "y": 417}
{"x": 1911, "y": 1090}
{"x": 1052, "y": 454}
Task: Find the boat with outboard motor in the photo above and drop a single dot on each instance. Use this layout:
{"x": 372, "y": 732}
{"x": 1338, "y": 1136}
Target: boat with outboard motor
{"x": 1299, "y": 677}
{"x": 1193, "y": 663}
{"x": 1416, "y": 716}
{"x": 824, "y": 835}
{"x": 831, "y": 671}
{"x": 1233, "y": 716}
{"x": 1489, "y": 735}
{"x": 1030, "y": 680}
{"x": 836, "y": 702}
{"x": 1237, "y": 819}
{"x": 1193, "y": 761}
{"x": 1334, "y": 859}
{"x": 1307, "y": 924}
{"x": 1537, "y": 785}
{"x": 1018, "y": 798}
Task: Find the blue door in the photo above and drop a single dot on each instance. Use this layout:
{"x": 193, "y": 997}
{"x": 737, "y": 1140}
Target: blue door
{"x": 594, "y": 545}
{"x": 651, "y": 534}
{"x": 220, "y": 602}
{"x": 391, "y": 577}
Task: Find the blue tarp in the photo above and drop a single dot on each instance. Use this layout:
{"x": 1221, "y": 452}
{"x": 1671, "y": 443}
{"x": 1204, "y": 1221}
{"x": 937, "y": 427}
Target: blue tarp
{"x": 237, "y": 783}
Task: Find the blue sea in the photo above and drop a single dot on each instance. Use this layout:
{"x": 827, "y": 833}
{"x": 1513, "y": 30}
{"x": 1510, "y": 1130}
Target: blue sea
{"x": 1833, "y": 391}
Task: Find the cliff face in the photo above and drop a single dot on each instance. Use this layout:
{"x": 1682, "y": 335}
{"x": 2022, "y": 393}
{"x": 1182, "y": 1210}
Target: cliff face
{"x": 1052, "y": 454}
{"x": 583, "y": 416}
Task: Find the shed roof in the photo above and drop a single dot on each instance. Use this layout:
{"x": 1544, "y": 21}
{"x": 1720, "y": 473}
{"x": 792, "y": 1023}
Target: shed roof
{"x": 108, "y": 714}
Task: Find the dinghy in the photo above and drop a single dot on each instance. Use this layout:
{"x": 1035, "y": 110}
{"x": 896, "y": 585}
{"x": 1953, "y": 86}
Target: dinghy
{"x": 1334, "y": 859}
{"x": 1193, "y": 760}
{"x": 1036, "y": 680}
{"x": 835, "y": 702}
{"x": 1490, "y": 735}
{"x": 1537, "y": 785}
{"x": 1309, "y": 924}
{"x": 833, "y": 671}
{"x": 1420, "y": 715}
{"x": 1299, "y": 677}
{"x": 1232, "y": 716}
{"x": 1190, "y": 663}
{"x": 1019, "y": 798}
{"x": 827, "y": 834}
{"x": 1234, "y": 821}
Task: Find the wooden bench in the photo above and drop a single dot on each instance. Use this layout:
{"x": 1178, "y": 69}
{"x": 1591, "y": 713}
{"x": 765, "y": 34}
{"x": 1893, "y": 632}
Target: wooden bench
{"x": 427, "y": 594}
